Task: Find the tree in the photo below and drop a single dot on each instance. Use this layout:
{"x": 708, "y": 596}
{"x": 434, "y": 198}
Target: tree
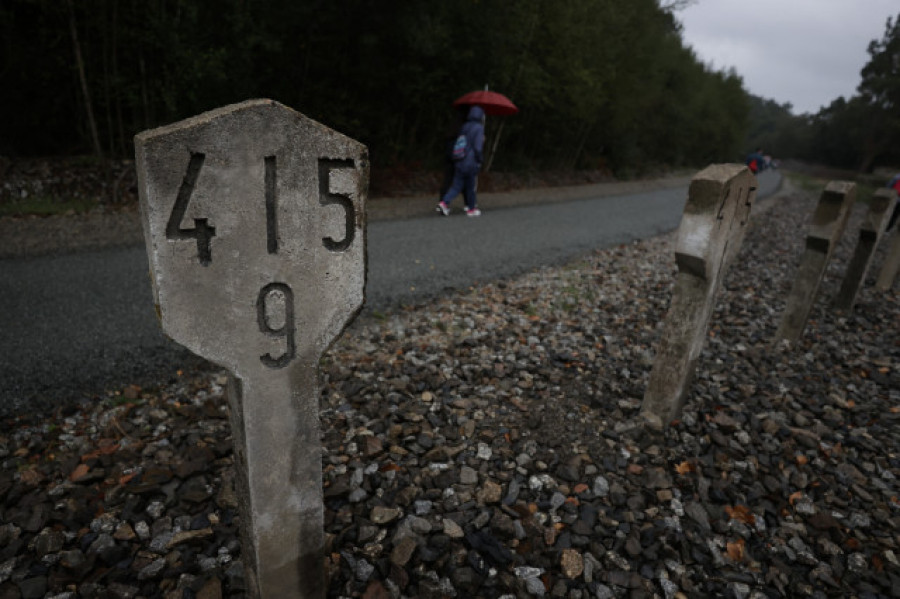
{"x": 880, "y": 90}
{"x": 601, "y": 84}
{"x": 82, "y": 78}
{"x": 860, "y": 133}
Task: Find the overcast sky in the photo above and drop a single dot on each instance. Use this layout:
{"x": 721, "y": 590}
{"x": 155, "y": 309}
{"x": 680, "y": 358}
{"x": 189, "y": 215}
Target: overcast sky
{"x": 806, "y": 52}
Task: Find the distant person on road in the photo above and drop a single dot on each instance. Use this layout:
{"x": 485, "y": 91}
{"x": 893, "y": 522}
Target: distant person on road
{"x": 459, "y": 117}
{"x": 467, "y": 156}
{"x": 894, "y": 184}
{"x": 755, "y": 161}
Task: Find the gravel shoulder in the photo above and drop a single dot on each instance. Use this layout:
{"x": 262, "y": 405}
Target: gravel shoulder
{"x": 488, "y": 444}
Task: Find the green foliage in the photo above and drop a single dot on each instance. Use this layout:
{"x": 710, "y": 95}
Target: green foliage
{"x": 880, "y": 91}
{"x": 600, "y": 83}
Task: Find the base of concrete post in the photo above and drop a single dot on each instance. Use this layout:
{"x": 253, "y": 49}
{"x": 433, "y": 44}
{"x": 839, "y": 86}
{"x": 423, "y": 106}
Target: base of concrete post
{"x": 888, "y": 273}
{"x": 709, "y": 237}
{"x": 279, "y": 487}
{"x": 826, "y": 228}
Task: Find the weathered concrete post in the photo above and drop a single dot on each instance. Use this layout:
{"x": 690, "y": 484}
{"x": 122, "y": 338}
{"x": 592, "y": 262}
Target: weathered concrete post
{"x": 709, "y": 237}
{"x": 870, "y": 232}
{"x": 254, "y": 220}
{"x": 891, "y": 265}
{"x": 828, "y": 222}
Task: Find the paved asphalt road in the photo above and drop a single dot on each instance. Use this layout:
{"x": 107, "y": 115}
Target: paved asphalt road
{"x": 73, "y": 326}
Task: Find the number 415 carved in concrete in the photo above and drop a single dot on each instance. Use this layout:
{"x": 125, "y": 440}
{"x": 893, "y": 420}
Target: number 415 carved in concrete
{"x": 203, "y": 232}
{"x": 261, "y": 302}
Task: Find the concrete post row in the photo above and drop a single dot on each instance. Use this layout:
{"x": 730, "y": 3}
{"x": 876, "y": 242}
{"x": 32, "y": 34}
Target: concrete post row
{"x": 891, "y": 266}
{"x": 712, "y": 229}
{"x": 880, "y": 209}
{"x": 828, "y": 222}
{"x": 254, "y": 220}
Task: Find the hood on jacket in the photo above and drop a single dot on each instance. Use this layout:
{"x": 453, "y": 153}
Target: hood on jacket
{"x": 476, "y": 113}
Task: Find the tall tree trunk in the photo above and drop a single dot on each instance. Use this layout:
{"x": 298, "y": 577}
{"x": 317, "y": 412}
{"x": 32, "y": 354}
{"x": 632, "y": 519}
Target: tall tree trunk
{"x": 144, "y": 101}
{"x": 875, "y": 142}
{"x": 107, "y": 88}
{"x": 92, "y": 122}
{"x": 115, "y": 73}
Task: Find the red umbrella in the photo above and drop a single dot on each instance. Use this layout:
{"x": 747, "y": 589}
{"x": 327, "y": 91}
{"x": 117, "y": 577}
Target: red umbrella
{"x": 494, "y": 104}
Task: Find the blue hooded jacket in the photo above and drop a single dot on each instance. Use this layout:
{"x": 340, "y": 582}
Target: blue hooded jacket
{"x": 473, "y": 129}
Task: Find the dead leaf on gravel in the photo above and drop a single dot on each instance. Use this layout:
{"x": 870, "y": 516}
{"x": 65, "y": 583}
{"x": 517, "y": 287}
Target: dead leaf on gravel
{"x": 685, "y": 468}
{"x": 741, "y": 513}
{"x": 735, "y": 550}
{"x": 31, "y": 477}
{"x": 105, "y": 450}
{"x": 80, "y": 471}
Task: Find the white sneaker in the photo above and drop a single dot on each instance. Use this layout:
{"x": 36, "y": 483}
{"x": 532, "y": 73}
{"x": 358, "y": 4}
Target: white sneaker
{"x": 443, "y": 208}
{"x": 473, "y": 212}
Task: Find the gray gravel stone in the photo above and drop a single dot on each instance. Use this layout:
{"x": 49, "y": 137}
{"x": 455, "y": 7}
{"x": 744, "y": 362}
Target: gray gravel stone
{"x": 472, "y": 441}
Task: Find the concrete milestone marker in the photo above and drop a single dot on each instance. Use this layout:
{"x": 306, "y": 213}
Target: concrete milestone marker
{"x": 891, "y": 264}
{"x": 828, "y": 222}
{"x": 870, "y": 232}
{"x": 709, "y": 237}
{"x": 254, "y": 220}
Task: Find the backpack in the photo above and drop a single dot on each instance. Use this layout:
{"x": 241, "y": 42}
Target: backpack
{"x": 754, "y": 167}
{"x": 459, "y": 148}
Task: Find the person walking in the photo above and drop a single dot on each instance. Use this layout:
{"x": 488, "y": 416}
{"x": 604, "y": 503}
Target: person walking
{"x": 468, "y": 154}
{"x": 755, "y": 161}
{"x": 460, "y": 113}
{"x": 894, "y": 184}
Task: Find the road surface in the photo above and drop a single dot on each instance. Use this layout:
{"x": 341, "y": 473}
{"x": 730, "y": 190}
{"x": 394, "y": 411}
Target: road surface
{"x": 75, "y": 326}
